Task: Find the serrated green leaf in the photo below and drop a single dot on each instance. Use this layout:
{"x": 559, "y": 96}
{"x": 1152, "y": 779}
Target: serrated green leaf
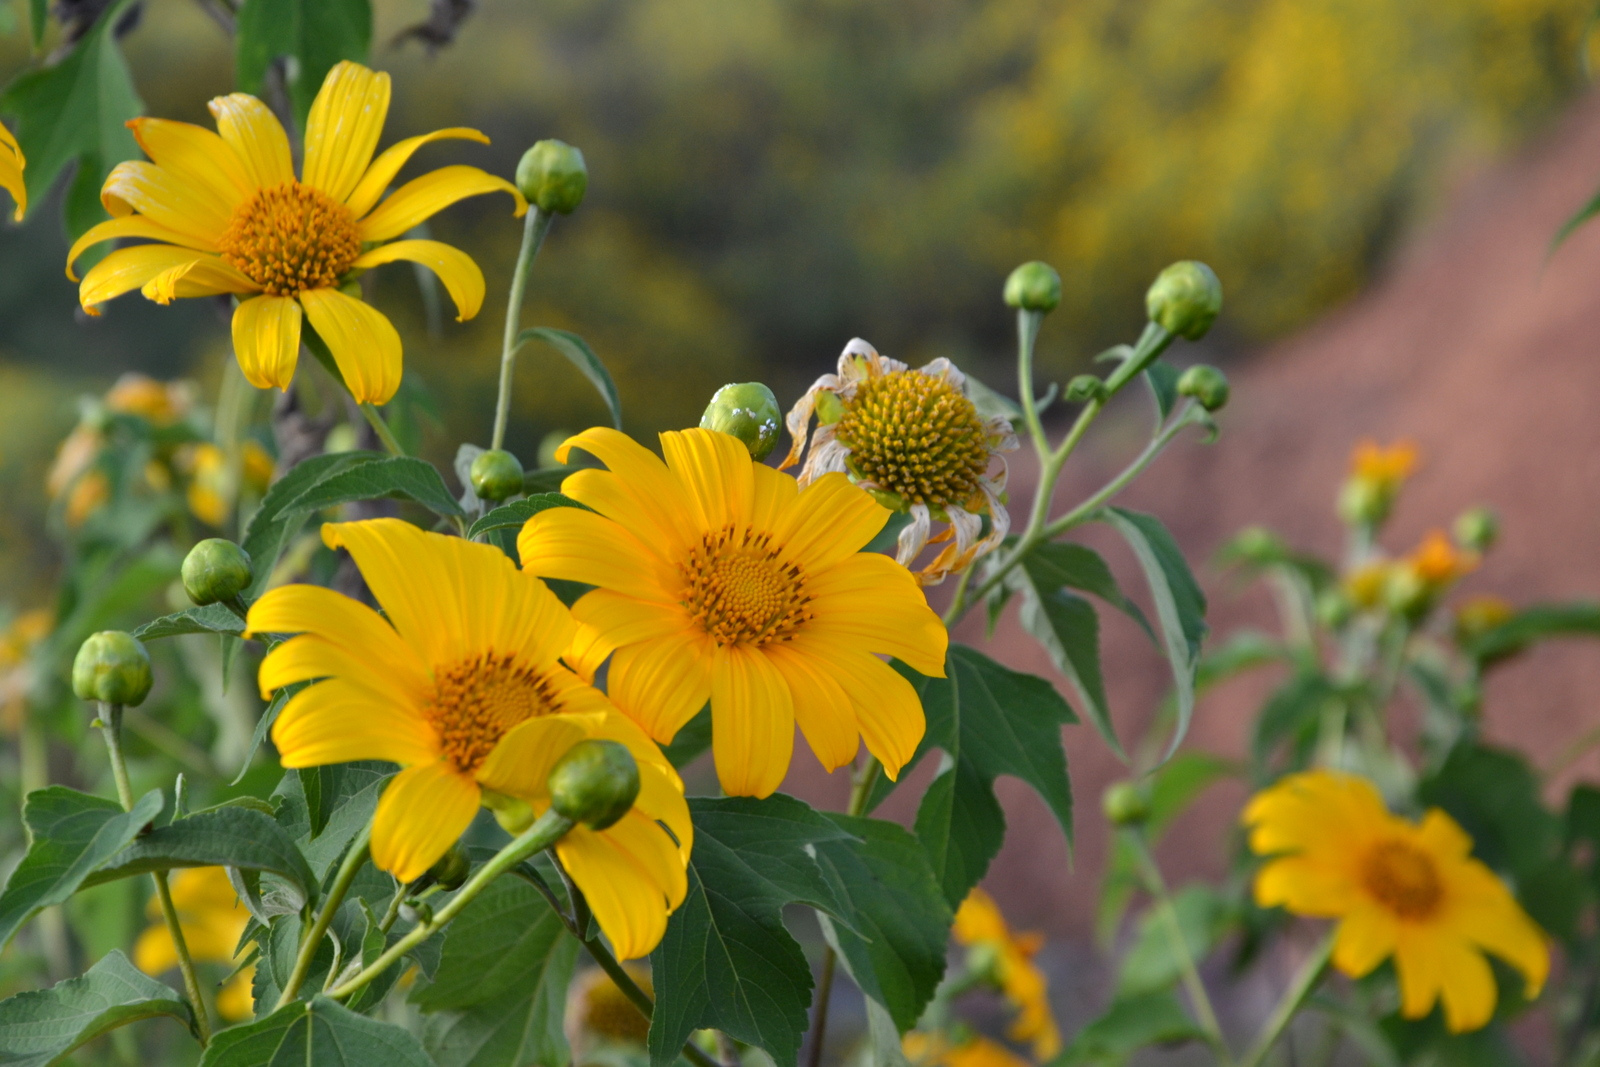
{"x": 275, "y": 523}
{"x": 71, "y": 833}
{"x": 518, "y": 512}
{"x": 316, "y": 34}
{"x": 346, "y": 796}
{"x": 40, "y": 1027}
{"x": 396, "y": 477}
{"x": 1069, "y": 630}
{"x": 580, "y": 355}
{"x": 269, "y": 715}
{"x": 1125, "y": 1028}
{"x": 211, "y": 619}
{"x": 319, "y": 1031}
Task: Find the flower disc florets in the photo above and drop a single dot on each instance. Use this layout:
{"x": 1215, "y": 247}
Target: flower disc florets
{"x": 742, "y": 590}
{"x": 290, "y": 237}
{"x": 476, "y": 702}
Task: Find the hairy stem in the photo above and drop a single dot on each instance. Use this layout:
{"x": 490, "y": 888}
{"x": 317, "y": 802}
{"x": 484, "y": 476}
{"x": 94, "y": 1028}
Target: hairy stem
{"x": 1304, "y": 982}
{"x": 535, "y": 225}
{"x": 381, "y": 428}
{"x": 348, "y": 869}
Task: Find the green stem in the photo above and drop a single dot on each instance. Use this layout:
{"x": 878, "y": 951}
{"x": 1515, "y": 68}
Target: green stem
{"x": 348, "y": 869}
{"x": 546, "y": 831}
{"x": 393, "y": 912}
{"x": 1028, "y": 323}
{"x": 534, "y": 227}
{"x": 640, "y": 999}
{"x": 381, "y": 428}
{"x": 111, "y": 726}
{"x": 1189, "y": 416}
{"x": 1304, "y": 982}
{"x": 860, "y": 792}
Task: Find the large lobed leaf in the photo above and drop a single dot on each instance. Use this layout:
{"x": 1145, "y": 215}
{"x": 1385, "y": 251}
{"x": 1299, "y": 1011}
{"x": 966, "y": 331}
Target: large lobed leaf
{"x": 40, "y": 1027}
{"x": 320, "y": 1032}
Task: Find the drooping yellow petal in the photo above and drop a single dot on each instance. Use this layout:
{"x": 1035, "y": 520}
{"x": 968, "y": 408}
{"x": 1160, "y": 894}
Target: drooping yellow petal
{"x": 196, "y": 155}
{"x": 421, "y": 198}
{"x": 1417, "y": 960}
{"x": 822, "y": 708}
{"x": 653, "y": 851}
{"x": 1367, "y": 937}
{"x": 388, "y": 164}
{"x": 630, "y": 909}
{"x": 336, "y": 721}
{"x": 131, "y": 226}
{"x": 716, "y": 469}
{"x": 521, "y": 762}
{"x": 256, "y": 136}
{"x": 206, "y": 275}
{"x": 752, "y": 723}
{"x": 363, "y": 341}
{"x": 11, "y": 167}
{"x": 343, "y": 128}
{"x": 1466, "y": 985}
{"x": 887, "y": 709}
{"x": 661, "y": 684}
{"x": 848, "y": 599}
{"x": 461, "y": 277}
{"x": 422, "y": 813}
{"x": 127, "y": 269}
{"x": 168, "y": 200}
{"x": 580, "y": 546}
{"x": 266, "y": 340}
{"x": 626, "y": 620}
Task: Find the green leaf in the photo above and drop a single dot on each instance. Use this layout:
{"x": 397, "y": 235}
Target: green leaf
{"x": 1243, "y": 651}
{"x": 1126, "y": 1027}
{"x": 580, "y": 355}
{"x": 898, "y": 957}
{"x": 71, "y": 833}
{"x": 514, "y": 514}
{"x": 1057, "y": 564}
{"x": 316, "y": 34}
{"x": 726, "y": 961}
{"x": 1162, "y": 378}
{"x": 40, "y": 1027}
{"x": 211, "y": 619}
{"x": 76, "y": 111}
{"x": 399, "y": 477}
{"x": 1292, "y": 713}
{"x": 345, "y": 798}
{"x": 499, "y": 996}
{"x": 1180, "y": 606}
{"x": 275, "y": 523}
{"x": 38, "y": 19}
{"x": 269, "y": 715}
{"x": 1494, "y": 795}
{"x": 319, "y": 1031}
{"x": 1579, "y": 217}
{"x": 544, "y": 480}
{"x": 1151, "y": 963}
{"x": 1068, "y": 628}
{"x": 1534, "y": 624}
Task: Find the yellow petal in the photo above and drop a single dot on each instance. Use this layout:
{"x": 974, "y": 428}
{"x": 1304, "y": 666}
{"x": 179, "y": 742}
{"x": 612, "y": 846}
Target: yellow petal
{"x": 1417, "y": 958}
{"x": 343, "y": 128}
{"x": 717, "y": 470}
{"x": 421, "y": 198}
{"x": 581, "y": 546}
{"x": 661, "y": 684}
{"x": 127, "y": 269}
{"x": 626, "y": 620}
{"x": 310, "y": 656}
{"x": 655, "y": 852}
{"x": 460, "y": 275}
{"x": 888, "y": 711}
{"x": 1467, "y": 986}
{"x": 1367, "y": 936}
{"x": 339, "y": 620}
{"x": 205, "y": 275}
{"x": 1483, "y": 911}
{"x": 1307, "y": 886}
{"x": 822, "y": 709}
{"x": 256, "y": 137}
{"x": 829, "y": 521}
{"x": 11, "y": 165}
{"x": 131, "y": 226}
{"x": 155, "y": 953}
{"x": 423, "y": 812}
{"x": 364, "y": 343}
{"x": 196, "y": 155}
{"x": 589, "y": 649}
{"x": 335, "y": 721}
{"x": 631, "y": 910}
{"x": 752, "y": 722}
{"x": 387, "y": 165}
{"x": 659, "y": 499}
{"x": 168, "y": 200}
{"x": 521, "y": 762}
{"x": 266, "y": 340}
{"x": 874, "y": 601}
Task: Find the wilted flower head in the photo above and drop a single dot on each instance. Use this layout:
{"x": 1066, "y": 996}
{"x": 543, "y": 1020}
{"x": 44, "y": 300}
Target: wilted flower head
{"x": 914, "y": 439}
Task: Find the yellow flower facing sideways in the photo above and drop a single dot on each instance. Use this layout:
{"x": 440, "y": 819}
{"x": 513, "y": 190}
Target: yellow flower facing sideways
{"x": 11, "y": 165}
{"x": 720, "y": 578}
{"x": 1402, "y": 889}
{"x": 212, "y": 919}
{"x": 227, "y": 215}
{"x": 980, "y": 924}
{"x": 460, "y": 682}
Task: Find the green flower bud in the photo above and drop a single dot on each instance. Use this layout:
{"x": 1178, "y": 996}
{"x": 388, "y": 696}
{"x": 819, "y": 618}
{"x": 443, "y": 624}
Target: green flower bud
{"x": 1085, "y": 387}
{"x": 1478, "y": 529}
{"x": 1034, "y": 287}
{"x": 215, "y": 569}
{"x": 451, "y": 870}
{"x": 1126, "y": 803}
{"x": 1185, "y": 299}
{"x": 1363, "y": 502}
{"x": 113, "y": 667}
{"x": 748, "y": 411}
{"x": 496, "y": 475}
{"x": 1334, "y": 608}
{"x": 1206, "y": 384}
{"x": 552, "y": 175}
{"x": 595, "y": 783}
{"x": 1256, "y": 544}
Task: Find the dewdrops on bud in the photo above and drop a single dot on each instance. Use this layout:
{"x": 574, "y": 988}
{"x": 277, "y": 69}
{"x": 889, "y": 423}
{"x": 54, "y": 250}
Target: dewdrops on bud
{"x": 1185, "y": 299}
{"x": 113, "y": 668}
{"x": 1206, "y": 384}
{"x": 216, "y": 569}
{"x": 496, "y": 475}
{"x": 552, "y": 175}
{"x": 595, "y": 783}
{"x": 1126, "y": 803}
{"x": 451, "y": 870}
{"x": 748, "y": 411}
{"x": 1084, "y": 387}
{"x": 1033, "y": 287}
{"x": 1478, "y": 529}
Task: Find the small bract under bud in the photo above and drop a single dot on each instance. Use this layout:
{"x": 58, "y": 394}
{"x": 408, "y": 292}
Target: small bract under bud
{"x": 1185, "y": 299}
{"x": 595, "y": 783}
{"x": 512, "y": 813}
{"x": 553, "y": 176}
{"x": 451, "y": 870}
{"x": 1478, "y": 529}
{"x": 215, "y": 569}
{"x": 1126, "y": 803}
{"x": 1034, "y": 287}
{"x": 112, "y": 667}
{"x": 1206, "y": 384}
{"x": 496, "y": 475}
{"x": 748, "y": 411}
{"x": 1084, "y": 387}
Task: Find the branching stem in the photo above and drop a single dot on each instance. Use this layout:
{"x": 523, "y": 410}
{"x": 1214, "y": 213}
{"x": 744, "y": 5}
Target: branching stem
{"x": 348, "y": 869}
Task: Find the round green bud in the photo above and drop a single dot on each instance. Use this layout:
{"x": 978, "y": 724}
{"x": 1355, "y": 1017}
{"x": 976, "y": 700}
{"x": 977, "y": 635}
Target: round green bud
{"x": 1084, "y": 387}
{"x": 113, "y": 667}
{"x": 1257, "y": 544}
{"x": 595, "y": 783}
{"x": 1478, "y": 529}
{"x": 1126, "y": 803}
{"x": 748, "y": 411}
{"x": 1206, "y": 384}
{"x": 451, "y": 870}
{"x": 1334, "y": 608}
{"x": 1034, "y": 287}
{"x": 553, "y": 176}
{"x": 496, "y": 475}
{"x": 215, "y": 569}
{"x": 1364, "y": 502}
{"x": 1185, "y": 299}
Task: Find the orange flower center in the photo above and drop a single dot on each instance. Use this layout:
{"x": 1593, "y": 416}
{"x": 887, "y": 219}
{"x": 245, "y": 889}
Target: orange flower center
{"x": 740, "y": 589}
{"x": 290, "y": 237}
{"x": 1403, "y": 878}
{"x": 916, "y": 436}
{"x": 476, "y": 702}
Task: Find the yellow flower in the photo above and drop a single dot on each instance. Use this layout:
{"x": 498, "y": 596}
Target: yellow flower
{"x": 77, "y": 452}
{"x": 257, "y": 467}
{"x": 1398, "y": 888}
{"x": 11, "y": 165}
{"x": 1438, "y": 563}
{"x": 208, "y": 494}
{"x": 1384, "y": 467}
{"x": 17, "y": 643}
{"x": 159, "y": 403}
{"x": 228, "y": 215}
{"x": 212, "y": 919}
{"x": 599, "y": 1011}
{"x": 1364, "y": 585}
{"x": 914, "y": 439}
{"x": 89, "y": 494}
{"x": 461, "y": 683}
{"x": 721, "y": 579}
{"x": 979, "y": 924}
{"x": 935, "y": 1050}
{"x": 1478, "y": 615}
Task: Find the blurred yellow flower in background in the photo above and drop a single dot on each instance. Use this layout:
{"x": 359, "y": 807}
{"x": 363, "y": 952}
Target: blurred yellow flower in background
{"x": 980, "y": 926}
{"x": 936, "y": 1050}
{"x": 256, "y": 467}
{"x": 161, "y": 404}
{"x": 1376, "y": 475}
{"x": 209, "y": 495}
{"x": 17, "y": 642}
{"x": 1477, "y": 615}
{"x": 228, "y": 215}
{"x": 720, "y": 578}
{"x": 1438, "y": 563}
{"x": 1398, "y": 888}
{"x": 11, "y": 166}
{"x": 213, "y": 920}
